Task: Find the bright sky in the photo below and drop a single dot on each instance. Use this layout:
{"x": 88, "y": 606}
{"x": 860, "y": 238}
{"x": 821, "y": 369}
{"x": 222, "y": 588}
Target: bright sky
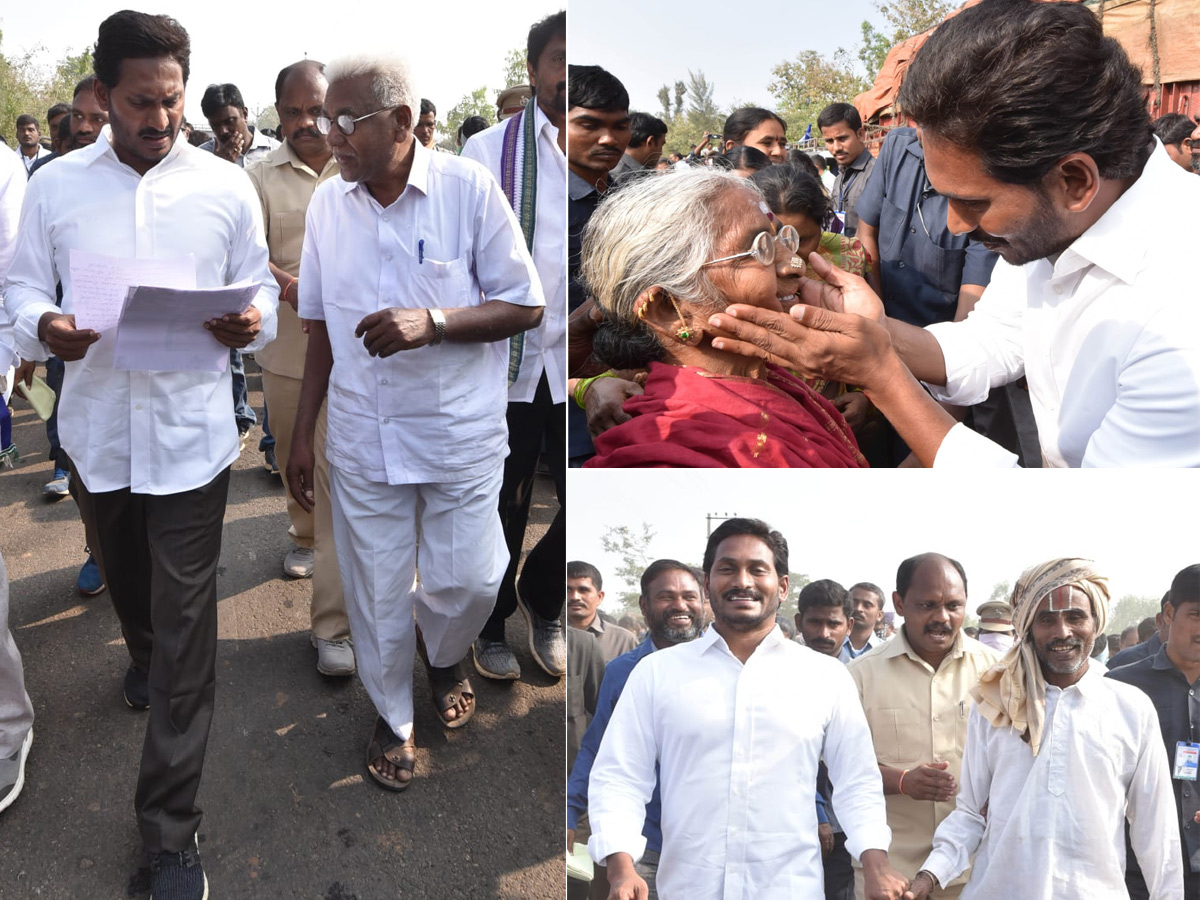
{"x": 1140, "y": 527}
{"x": 453, "y": 48}
{"x": 647, "y": 45}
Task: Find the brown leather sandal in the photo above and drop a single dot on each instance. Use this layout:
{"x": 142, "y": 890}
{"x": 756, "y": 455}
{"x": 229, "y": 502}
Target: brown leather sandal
{"x": 385, "y": 744}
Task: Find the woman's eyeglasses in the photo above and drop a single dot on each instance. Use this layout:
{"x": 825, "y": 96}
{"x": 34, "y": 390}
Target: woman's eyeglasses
{"x": 763, "y": 248}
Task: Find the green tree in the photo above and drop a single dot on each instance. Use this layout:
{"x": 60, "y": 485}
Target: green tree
{"x": 690, "y": 112}
{"x": 1130, "y": 610}
{"x": 266, "y": 117}
{"x": 475, "y": 103}
{"x": 26, "y": 86}
{"x": 796, "y": 583}
{"x": 514, "y": 69}
{"x": 632, "y": 547}
{"x": 903, "y": 19}
{"x": 803, "y": 86}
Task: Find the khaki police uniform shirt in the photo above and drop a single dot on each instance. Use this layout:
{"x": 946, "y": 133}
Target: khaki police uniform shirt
{"x": 916, "y": 716}
{"x": 285, "y": 185}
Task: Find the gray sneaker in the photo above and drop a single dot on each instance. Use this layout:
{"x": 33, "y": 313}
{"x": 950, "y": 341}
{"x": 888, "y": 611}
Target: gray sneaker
{"x": 495, "y": 659}
{"x": 547, "y": 642}
{"x": 334, "y": 658}
{"x": 298, "y": 563}
{"x": 12, "y": 773}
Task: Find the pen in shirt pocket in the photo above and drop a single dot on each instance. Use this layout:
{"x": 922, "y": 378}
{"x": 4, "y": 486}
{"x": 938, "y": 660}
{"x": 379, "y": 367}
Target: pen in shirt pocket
{"x": 962, "y": 709}
{"x": 421, "y": 251}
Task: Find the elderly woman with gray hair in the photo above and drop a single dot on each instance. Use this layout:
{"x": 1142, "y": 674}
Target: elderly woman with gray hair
{"x": 660, "y": 256}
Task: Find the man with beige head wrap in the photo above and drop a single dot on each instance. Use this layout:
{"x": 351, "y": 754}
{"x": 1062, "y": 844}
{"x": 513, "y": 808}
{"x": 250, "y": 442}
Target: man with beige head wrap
{"x": 1057, "y": 757}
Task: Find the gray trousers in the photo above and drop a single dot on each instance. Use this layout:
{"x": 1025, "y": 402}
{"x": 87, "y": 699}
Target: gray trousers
{"x": 16, "y": 712}
{"x": 160, "y": 558}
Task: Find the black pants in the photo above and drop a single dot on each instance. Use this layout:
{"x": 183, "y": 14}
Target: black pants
{"x": 160, "y": 562}
{"x": 839, "y": 871}
{"x": 542, "y": 578}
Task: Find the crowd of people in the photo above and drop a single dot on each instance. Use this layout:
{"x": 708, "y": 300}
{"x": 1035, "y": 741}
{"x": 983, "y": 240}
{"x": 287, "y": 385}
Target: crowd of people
{"x": 977, "y": 290}
{"x": 928, "y": 764}
{"x": 407, "y": 308}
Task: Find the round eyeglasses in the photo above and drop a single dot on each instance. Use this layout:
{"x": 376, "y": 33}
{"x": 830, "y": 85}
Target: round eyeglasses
{"x": 344, "y": 122}
{"x": 763, "y": 248}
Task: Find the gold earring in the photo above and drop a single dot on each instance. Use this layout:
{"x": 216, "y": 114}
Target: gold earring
{"x": 683, "y": 333}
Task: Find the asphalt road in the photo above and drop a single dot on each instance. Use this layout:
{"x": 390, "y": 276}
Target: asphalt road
{"x": 288, "y": 809}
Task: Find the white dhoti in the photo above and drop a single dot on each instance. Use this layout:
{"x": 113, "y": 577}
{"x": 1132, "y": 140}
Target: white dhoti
{"x": 462, "y": 558}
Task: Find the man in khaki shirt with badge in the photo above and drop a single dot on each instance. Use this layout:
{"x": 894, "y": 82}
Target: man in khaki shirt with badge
{"x": 285, "y": 181}
{"x": 915, "y": 691}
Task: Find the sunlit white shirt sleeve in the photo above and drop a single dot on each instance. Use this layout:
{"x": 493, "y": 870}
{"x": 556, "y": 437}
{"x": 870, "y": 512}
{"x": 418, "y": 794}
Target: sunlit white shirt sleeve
{"x": 152, "y": 432}
{"x": 1055, "y": 823}
{"x": 12, "y": 193}
{"x": 737, "y": 765}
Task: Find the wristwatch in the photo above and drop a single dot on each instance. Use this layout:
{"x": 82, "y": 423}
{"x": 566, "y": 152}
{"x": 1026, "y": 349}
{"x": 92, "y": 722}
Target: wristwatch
{"x": 439, "y": 325}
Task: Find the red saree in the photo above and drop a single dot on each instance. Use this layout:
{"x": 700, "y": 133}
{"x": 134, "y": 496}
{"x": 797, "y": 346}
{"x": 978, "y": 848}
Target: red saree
{"x": 690, "y": 418}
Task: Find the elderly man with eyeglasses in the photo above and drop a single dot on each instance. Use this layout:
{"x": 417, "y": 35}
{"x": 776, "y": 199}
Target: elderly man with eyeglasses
{"x": 413, "y": 275}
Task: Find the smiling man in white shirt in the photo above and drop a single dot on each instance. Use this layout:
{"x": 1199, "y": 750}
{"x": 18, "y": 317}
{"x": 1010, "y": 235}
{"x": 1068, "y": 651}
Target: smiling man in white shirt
{"x": 151, "y": 451}
{"x": 1062, "y": 176}
{"x": 734, "y": 749}
{"x": 413, "y": 274}
{"x": 1057, "y": 757}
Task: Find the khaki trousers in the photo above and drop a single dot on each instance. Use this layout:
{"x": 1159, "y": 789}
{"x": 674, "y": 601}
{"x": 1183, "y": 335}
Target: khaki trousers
{"x": 315, "y": 529}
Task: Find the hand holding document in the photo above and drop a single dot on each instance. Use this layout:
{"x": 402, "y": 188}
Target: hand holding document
{"x": 155, "y": 309}
{"x": 163, "y": 330}
{"x": 100, "y": 284}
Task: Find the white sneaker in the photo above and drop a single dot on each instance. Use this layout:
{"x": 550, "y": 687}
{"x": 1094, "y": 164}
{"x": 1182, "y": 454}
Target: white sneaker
{"x": 334, "y": 658}
{"x": 12, "y": 773}
{"x": 298, "y": 563}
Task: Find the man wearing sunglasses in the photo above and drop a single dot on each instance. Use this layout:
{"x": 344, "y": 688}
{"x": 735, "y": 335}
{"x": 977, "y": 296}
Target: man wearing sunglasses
{"x": 413, "y": 275}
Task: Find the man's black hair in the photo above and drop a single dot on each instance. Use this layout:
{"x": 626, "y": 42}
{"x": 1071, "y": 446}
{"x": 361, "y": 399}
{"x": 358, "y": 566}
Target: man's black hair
{"x": 1173, "y": 128}
{"x": 591, "y": 87}
{"x": 286, "y": 71}
{"x": 85, "y": 84}
{"x": 643, "y": 126}
{"x": 134, "y": 35}
{"x": 472, "y": 125}
{"x": 908, "y": 568}
{"x": 1023, "y": 84}
{"x": 577, "y": 568}
{"x": 659, "y": 566}
{"x": 58, "y": 109}
{"x": 542, "y": 33}
{"x": 824, "y": 593}
{"x": 26, "y": 119}
{"x": 775, "y": 541}
{"x": 840, "y": 112}
{"x": 870, "y": 588}
{"x": 218, "y": 96}
{"x": 742, "y": 121}
{"x": 1185, "y": 587}
{"x": 427, "y": 107}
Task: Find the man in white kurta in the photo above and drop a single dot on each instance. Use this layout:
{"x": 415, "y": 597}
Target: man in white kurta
{"x": 1057, "y": 759}
{"x": 531, "y": 148}
{"x": 413, "y": 273}
{"x": 734, "y": 741}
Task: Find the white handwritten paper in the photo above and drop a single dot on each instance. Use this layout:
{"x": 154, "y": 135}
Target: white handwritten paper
{"x": 100, "y": 284}
{"x": 162, "y": 329}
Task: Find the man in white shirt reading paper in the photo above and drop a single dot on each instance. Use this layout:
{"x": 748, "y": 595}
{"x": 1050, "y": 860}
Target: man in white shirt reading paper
{"x": 1034, "y": 127}
{"x": 733, "y": 743}
{"x": 150, "y": 450}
